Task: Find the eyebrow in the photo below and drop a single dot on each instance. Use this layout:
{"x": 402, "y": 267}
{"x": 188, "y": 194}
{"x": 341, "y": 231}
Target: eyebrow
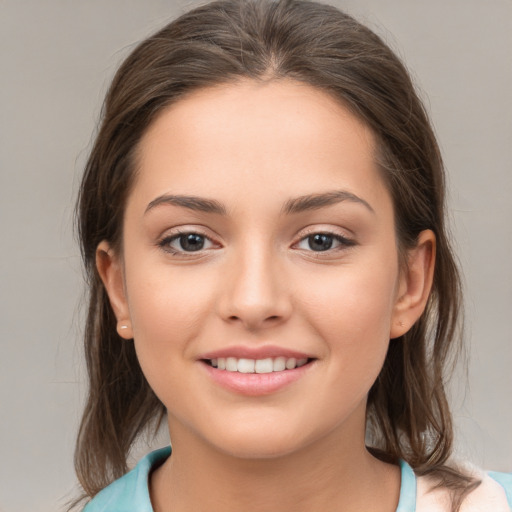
{"x": 191, "y": 202}
{"x": 295, "y": 205}
{"x": 317, "y": 201}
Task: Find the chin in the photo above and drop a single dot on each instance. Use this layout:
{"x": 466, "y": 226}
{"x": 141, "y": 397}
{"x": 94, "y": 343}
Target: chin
{"x": 258, "y": 441}
{"x": 262, "y": 448}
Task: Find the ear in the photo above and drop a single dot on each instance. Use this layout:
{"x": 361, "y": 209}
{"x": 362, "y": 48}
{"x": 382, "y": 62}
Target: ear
{"x": 414, "y": 284}
{"x": 110, "y": 269}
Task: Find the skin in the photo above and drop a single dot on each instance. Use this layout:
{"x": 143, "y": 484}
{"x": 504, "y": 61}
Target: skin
{"x": 258, "y": 281}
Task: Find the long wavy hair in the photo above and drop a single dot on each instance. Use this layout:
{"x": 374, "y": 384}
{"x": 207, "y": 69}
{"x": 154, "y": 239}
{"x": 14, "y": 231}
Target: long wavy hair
{"x": 408, "y": 415}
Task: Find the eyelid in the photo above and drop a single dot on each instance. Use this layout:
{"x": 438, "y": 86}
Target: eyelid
{"x": 346, "y": 242}
{"x": 318, "y": 229}
{"x": 174, "y": 234}
{"x": 328, "y": 230}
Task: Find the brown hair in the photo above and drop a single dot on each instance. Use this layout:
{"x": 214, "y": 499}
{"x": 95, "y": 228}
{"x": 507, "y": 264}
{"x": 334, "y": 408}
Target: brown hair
{"x": 408, "y": 415}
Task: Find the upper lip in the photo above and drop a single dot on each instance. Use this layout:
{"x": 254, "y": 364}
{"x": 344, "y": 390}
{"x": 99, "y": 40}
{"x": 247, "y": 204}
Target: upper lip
{"x": 260, "y": 352}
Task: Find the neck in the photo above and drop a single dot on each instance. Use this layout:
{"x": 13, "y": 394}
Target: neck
{"x": 331, "y": 475}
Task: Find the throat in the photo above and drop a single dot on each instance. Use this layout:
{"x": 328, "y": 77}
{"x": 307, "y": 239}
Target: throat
{"x": 283, "y": 484}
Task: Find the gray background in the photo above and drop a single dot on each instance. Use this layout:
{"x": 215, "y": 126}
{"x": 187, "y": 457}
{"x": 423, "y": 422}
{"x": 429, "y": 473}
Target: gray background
{"x": 56, "y": 59}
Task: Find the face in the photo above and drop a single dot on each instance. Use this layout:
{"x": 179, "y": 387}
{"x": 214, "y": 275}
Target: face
{"x": 259, "y": 235}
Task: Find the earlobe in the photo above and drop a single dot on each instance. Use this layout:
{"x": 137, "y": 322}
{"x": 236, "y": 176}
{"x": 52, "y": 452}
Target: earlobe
{"x": 110, "y": 269}
{"x": 415, "y": 284}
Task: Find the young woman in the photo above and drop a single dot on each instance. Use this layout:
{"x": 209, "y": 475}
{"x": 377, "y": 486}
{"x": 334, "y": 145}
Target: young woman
{"x": 262, "y": 223}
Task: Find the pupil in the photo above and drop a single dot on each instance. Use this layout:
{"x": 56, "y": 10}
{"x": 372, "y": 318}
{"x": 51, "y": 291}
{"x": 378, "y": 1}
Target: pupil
{"x": 320, "y": 242}
{"x": 192, "y": 242}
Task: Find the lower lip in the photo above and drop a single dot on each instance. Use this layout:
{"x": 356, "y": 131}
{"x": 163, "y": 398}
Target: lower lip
{"x": 255, "y": 384}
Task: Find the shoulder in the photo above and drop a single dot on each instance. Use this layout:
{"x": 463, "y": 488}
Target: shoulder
{"x": 130, "y": 493}
{"x": 494, "y": 494}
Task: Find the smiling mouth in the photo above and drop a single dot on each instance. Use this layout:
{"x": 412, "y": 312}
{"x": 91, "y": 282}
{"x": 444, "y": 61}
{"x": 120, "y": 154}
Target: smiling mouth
{"x": 267, "y": 365}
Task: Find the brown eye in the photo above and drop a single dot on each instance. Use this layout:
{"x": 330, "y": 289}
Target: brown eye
{"x": 320, "y": 242}
{"x": 185, "y": 243}
{"x": 191, "y": 242}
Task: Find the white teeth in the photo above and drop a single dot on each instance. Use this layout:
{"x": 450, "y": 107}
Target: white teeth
{"x": 279, "y": 364}
{"x": 245, "y": 365}
{"x": 231, "y": 364}
{"x": 263, "y": 366}
{"x": 268, "y": 365}
{"x": 291, "y": 363}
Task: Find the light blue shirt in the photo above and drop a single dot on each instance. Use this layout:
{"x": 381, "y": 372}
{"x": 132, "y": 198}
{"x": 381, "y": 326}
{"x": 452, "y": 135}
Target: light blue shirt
{"x": 130, "y": 493}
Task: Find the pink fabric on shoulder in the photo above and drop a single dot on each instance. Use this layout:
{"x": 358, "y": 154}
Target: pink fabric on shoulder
{"x": 489, "y": 496}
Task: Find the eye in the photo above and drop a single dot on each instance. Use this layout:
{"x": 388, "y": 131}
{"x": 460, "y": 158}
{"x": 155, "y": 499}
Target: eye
{"x": 185, "y": 242}
{"x": 321, "y": 242}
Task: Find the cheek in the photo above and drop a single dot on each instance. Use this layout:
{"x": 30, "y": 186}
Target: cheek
{"x": 167, "y": 308}
{"x": 352, "y": 312}
{"x": 351, "y": 302}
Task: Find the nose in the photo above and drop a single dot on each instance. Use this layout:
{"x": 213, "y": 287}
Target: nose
{"x": 255, "y": 292}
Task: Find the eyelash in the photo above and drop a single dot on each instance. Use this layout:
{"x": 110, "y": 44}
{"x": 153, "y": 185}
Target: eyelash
{"x": 165, "y": 242}
{"x": 344, "y": 243}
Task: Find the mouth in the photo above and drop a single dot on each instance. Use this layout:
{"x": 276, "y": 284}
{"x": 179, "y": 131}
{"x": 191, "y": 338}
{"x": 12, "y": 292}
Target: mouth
{"x": 256, "y": 371}
{"x": 258, "y": 366}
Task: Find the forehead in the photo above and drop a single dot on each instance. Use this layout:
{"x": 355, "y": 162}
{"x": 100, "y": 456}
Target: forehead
{"x": 234, "y": 139}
